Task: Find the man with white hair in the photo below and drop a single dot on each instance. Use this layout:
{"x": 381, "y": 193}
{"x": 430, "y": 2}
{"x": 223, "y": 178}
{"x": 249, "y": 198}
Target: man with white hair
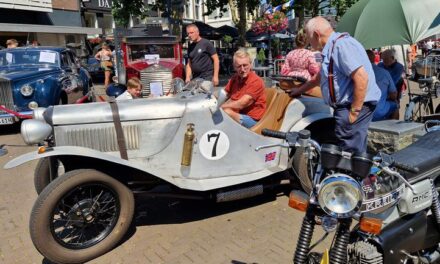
{"x": 247, "y": 98}
{"x": 395, "y": 68}
{"x": 347, "y": 83}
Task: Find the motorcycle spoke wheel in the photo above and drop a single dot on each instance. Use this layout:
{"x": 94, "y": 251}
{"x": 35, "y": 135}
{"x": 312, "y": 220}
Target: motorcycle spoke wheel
{"x": 85, "y": 216}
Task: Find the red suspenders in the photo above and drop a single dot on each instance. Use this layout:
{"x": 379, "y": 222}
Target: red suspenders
{"x": 331, "y": 79}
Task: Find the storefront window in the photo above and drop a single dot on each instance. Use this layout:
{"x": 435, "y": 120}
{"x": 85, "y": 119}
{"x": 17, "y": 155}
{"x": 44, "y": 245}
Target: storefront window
{"x": 108, "y": 24}
{"x": 90, "y": 19}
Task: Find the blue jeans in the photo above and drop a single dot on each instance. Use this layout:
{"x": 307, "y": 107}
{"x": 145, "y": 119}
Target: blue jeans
{"x": 247, "y": 121}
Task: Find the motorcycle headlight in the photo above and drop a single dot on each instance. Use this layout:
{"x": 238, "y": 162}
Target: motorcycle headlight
{"x": 178, "y": 84}
{"x": 340, "y": 196}
{"x": 26, "y": 90}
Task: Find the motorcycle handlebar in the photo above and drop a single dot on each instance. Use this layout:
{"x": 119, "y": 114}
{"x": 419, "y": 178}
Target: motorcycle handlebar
{"x": 273, "y": 133}
{"x": 405, "y": 167}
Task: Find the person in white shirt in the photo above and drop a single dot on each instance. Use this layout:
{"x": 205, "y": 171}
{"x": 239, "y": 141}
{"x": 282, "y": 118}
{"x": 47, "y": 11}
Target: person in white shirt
{"x": 134, "y": 88}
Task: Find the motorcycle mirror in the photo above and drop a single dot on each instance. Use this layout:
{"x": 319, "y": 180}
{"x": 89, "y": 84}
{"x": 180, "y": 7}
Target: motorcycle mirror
{"x": 3, "y": 151}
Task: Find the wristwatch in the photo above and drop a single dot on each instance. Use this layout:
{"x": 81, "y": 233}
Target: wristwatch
{"x": 355, "y": 110}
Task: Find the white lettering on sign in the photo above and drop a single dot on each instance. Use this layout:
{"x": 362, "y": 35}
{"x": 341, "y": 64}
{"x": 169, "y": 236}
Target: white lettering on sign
{"x": 103, "y": 3}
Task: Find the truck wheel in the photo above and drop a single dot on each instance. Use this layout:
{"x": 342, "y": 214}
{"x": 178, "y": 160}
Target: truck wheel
{"x": 42, "y": 174}
{"x": 80, "y": 216}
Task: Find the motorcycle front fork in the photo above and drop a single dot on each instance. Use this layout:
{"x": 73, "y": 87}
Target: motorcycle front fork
{"x": 338, "y": 251}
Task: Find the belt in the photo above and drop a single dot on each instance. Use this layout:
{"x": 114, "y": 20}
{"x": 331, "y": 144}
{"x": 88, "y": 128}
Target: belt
{"x": 369, "y": 104}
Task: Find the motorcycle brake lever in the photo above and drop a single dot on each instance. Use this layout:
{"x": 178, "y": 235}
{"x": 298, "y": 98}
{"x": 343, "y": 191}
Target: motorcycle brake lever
{"x": 283, "y": 145}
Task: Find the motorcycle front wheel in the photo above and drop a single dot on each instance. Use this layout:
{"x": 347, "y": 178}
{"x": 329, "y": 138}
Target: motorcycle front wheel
{"x": 80, "y": 216}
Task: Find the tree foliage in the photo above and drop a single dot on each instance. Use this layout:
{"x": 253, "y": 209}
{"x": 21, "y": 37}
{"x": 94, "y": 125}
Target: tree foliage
{"x": 239, "y": 11}
{"x": 122, "y": 9}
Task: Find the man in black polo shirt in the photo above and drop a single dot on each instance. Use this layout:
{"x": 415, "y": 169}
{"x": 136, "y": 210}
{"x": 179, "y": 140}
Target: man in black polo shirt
{"x": 203, "y": 59}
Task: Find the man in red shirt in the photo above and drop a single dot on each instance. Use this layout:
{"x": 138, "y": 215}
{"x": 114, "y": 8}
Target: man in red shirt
{"x": 247, "y": 98}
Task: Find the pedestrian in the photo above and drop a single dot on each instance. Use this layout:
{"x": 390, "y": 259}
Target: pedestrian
{"x": 347, "y": 83}
{"x": 203, "y": 60}
{"x": 300, "y": 62}
{"x": 388, "y": 105}
{"x": 105, "y": 57}
{"x": 11, "y": 43}
{"x": 134, "y": 89}
{"x": 395, "y": 68}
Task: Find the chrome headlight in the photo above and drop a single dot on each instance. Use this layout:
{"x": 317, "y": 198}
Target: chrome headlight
{"x": 340, "y": 196}
{"x": 178, "y": 84}
{"x": 26, "y": 90}
{"x": 33, "y": 105}
{"x": 34, "y": 131}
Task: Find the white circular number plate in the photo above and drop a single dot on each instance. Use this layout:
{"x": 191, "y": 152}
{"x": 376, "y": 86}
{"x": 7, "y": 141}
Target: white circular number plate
{"x": 214, "y": 144}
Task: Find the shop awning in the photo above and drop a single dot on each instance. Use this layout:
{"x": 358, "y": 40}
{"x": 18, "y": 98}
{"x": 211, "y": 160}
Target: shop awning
{"x": 7, "y": 27}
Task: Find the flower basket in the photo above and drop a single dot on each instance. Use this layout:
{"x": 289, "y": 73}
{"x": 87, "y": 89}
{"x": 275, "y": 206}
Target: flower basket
{"x": 274, "y": 22}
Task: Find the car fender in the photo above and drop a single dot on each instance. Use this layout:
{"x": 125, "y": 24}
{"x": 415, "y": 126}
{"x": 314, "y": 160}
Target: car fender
{"x": 71, "y": 151}
{"x": 308, "y": 120}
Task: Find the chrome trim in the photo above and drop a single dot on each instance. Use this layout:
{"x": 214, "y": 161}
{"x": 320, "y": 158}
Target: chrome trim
{"x": 6, "y": 97}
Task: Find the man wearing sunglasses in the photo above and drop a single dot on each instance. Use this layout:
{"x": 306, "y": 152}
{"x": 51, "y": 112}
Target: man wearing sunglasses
{"x": 247, "y": 99}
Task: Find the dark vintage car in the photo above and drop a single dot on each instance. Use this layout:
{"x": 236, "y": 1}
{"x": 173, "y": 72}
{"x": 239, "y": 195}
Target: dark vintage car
{"x": 427, "y": 66}
{"x": 32, "y": 77}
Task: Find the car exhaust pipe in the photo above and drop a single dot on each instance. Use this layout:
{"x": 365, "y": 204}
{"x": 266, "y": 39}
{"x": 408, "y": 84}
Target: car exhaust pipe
{"x": 237, "y": 194}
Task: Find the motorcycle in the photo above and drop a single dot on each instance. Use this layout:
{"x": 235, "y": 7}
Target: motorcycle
{"x": 393, "y": 198}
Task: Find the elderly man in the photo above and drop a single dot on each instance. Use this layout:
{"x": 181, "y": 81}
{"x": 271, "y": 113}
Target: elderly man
{"x": 394, "y": 67}
{"x": 347, "y": 83}
{"x": 387, "y": 107}
{"x": 203, "y": 59}
{"x": 247, "y": 98}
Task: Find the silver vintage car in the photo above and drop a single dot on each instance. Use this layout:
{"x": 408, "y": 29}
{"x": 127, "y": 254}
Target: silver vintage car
{"x": 112, "y": 152}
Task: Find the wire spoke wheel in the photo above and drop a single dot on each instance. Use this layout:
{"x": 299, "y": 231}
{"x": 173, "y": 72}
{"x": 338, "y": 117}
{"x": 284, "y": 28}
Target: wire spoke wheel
{"x": 80, "y": 215}
{"x": 85, "y": 216}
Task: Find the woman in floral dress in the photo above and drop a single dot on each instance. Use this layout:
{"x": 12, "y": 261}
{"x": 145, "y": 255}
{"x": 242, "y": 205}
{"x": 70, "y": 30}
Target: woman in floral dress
{"x": 300, "y": 61}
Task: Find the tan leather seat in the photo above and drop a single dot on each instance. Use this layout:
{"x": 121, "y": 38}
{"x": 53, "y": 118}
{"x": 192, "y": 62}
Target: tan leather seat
{"x": 274, "y": 115}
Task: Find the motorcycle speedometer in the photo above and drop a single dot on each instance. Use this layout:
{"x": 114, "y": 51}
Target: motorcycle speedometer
{"x": 340, "y": 195}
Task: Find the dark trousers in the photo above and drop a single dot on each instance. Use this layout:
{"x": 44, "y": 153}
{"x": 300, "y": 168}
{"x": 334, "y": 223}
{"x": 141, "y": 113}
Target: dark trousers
{"x": 353, "y": 137}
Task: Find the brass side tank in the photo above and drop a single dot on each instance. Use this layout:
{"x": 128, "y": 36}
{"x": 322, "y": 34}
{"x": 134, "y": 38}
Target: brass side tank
{"x": 188, "y": 141}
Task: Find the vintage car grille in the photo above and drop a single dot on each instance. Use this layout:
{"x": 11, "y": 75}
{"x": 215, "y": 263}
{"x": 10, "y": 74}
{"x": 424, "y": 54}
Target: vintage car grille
{"x": 6, "y": 98}
{"x": 98, "y": 137}
{"x": 156, "y": 74}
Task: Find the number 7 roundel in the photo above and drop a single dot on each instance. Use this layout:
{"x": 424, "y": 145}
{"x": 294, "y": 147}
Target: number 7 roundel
{"x": 214, "y": 144}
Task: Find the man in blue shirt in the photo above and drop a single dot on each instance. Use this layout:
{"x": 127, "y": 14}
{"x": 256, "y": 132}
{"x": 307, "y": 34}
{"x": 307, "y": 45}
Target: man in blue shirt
{"x": 387, "y": 106}
{"x": 347, "y": 83}
{"x": 394, "y": 67}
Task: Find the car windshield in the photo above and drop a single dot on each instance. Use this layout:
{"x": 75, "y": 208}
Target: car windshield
{"x": 18, "y": 57}
{"x": 144, "y": 51}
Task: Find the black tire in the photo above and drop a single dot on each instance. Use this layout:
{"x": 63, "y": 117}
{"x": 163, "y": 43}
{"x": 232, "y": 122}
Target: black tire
{"x": 67, "y": 218}
{"x": 42, "y": 175}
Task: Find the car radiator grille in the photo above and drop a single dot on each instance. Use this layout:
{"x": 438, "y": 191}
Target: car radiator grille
{"x": 6, "y": 98}
{"x": 163, "y": 77}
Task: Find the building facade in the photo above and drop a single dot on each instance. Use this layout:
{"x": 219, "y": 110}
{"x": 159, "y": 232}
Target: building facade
{"x": 49, "y": 22}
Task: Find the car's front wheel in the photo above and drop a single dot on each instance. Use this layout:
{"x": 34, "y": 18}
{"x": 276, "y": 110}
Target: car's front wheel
{"x": 42, "y": 176}
{"x": 80, "y": 216}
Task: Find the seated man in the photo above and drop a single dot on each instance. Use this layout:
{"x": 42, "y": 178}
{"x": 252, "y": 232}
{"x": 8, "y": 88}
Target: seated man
{"x": 394, "y": 68}
{"x": 387, "y": 107}
{"x": 247, "y": 99}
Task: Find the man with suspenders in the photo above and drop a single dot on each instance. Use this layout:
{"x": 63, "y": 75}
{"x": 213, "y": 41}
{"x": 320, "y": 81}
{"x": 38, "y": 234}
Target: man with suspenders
{"x": 347, "y": 83}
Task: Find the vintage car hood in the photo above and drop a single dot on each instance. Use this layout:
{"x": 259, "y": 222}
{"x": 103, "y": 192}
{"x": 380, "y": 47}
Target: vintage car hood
{"x": 129, "y": 110}
{"x": 14, "y": 73}
{"x": 166, "y": 63}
